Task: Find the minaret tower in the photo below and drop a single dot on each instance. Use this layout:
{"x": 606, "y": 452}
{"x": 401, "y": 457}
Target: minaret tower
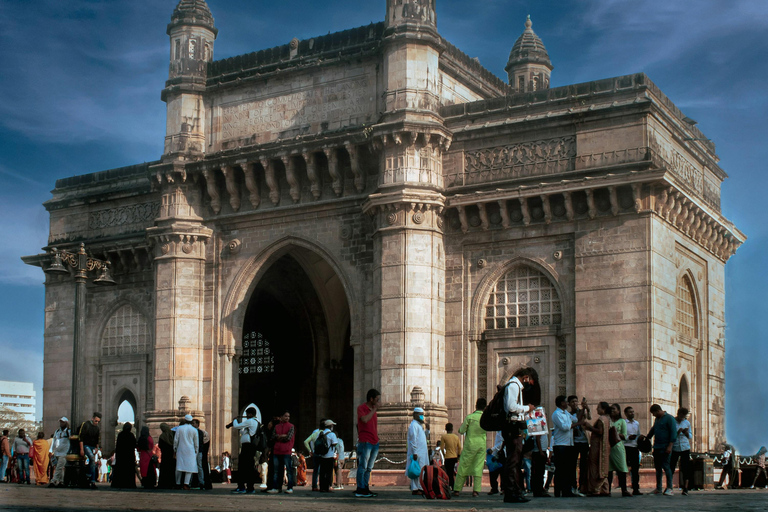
{"x": 409, "y": 256}
{"x": 192, "y": 35}
{"x": 529, "y": 66}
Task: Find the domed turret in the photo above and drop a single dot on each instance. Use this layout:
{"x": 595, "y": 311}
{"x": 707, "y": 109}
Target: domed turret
{"x": 529, "y": 66}
{"x": 192, "y": 34}
{"x": 192, "y": 12}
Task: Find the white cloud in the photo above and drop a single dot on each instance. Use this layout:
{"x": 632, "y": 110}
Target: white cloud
{"x": 24, "y": 231}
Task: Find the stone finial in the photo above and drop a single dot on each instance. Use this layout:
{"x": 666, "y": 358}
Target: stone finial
{"x": 184, "y": 402}
{"x": 417, "y": 396}
{"x": 528, "y": 23}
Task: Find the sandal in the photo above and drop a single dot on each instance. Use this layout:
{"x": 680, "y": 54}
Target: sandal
{"x": 456, "y": 493}
{"x": 475, "y": 494}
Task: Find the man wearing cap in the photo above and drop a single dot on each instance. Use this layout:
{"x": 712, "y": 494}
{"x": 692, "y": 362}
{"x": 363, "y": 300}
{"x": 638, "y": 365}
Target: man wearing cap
{"x": 59, "y": 449}
{"x": 89, "y": 435}
{"x": 186, "y": 445}
{"x": 417, "y": 447}
{"x": 246, "y": 476}
{"x": 326, "y": 459}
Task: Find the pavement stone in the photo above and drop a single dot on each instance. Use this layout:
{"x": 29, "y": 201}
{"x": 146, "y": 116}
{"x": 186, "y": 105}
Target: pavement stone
{"x": 42, "y": 499}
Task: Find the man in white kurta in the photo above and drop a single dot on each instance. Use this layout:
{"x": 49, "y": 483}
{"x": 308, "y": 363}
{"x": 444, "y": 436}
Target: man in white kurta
{"x": 185, "y": 446}
{"x": 417, "y": 446}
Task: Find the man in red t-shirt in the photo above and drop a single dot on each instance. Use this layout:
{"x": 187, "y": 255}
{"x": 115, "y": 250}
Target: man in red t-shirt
{"x": 281, "y": 453}
{"x": 367, "y": 442}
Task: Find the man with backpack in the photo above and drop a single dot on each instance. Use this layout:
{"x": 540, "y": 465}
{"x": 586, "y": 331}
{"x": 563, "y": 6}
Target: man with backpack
{"x": 523, "y": 381}
{"x": 246, "y": 475}
{"x": 324, "y": 453}
{"x": 309, "y": 444}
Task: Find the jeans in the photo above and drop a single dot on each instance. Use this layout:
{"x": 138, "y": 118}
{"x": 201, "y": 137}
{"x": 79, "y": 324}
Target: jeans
{"x": 91, "y": 472}
{"x": 684, "y": 478}
{"x": 538, "y": 463}
{"x": 633, "y": 461}
{"x": 3, "y": 467}
{"x": 281, "y": 463}
{"x": 315, "y": 471}
{"x": 246, "y": 475}
{"x": 366, "y": 457}
{"x": 22, "y": 463}
{"x": 511, "y": 479}
{"x": 527, "y": 474}
{"x": 200, "y": 473}
{"x": 661, "y": 463}
{"x": 565, "y": 469}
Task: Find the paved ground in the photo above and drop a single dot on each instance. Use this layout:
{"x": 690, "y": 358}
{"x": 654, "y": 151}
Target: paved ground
{"x": 38, "y": 499}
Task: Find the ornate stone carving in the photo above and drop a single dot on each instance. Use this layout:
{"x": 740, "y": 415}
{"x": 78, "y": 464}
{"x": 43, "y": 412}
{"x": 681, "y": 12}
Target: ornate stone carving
{"x": 519, "y": 160}
{"x": 234, "y": 246}
{"x": 418, "y": 218}
{"x": 232, "y": 189}
{"x": 213, "y": 190}
{"x": 333, "y": 170}
{"x": 354, "y": 159}
{"x": 271, "y": 179}
{"x": 290, "y": 175}
{"x": 391, "y": 218}
{"x": 314, "y": 179}
{"x": 252, "y": 184}
{"x": 143, "y": 213}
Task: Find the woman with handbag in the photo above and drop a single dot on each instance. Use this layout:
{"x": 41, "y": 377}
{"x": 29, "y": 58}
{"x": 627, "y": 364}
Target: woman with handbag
{"x": 618, "y": 462}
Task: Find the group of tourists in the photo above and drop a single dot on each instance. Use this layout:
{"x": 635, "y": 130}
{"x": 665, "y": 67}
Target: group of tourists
{"x": 583, "y": 452}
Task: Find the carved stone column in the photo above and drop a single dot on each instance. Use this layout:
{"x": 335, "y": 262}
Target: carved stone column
{"x": 179, "y": 239}
{"x": 409, "y": 304}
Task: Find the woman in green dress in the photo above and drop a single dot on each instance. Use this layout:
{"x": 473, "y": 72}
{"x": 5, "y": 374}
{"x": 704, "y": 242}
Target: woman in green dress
{"x": 618, "y": 460}
{"x": 473, "y": 455}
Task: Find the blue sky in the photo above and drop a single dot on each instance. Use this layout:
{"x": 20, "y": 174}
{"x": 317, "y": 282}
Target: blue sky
{"x": 80, "y": 92}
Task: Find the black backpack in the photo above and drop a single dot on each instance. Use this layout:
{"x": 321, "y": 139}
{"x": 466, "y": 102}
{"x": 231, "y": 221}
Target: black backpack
{"x": 494, "y": 416}
{"x": 259, "y": 439}
{"x": 321, "y": 445}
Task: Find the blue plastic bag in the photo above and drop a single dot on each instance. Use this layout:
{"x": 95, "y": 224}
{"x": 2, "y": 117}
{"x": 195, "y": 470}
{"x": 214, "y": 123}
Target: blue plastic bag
{"x": 414, "y": 470}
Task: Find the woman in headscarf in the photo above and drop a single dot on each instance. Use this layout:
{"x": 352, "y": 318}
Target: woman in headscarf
{"x": 124, "y": 470}
{"x": 40, "y": 458}
{"x": 146, "y": 447}
{"x": 167, "y": 462}
{"x": 599, "y": 452}
{"x": 473, "y": 455}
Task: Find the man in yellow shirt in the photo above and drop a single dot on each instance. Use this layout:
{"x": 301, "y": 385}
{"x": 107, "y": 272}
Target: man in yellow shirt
{"x": 450, "y": 443}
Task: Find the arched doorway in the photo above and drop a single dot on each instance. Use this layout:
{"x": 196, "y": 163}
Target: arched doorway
{"x": 126, "y": 413}
{"x": 296, "y": 354}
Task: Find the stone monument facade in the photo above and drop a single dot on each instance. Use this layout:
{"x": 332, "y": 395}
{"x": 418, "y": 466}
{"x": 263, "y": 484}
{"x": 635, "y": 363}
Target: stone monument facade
{"x": 373, "y": 208}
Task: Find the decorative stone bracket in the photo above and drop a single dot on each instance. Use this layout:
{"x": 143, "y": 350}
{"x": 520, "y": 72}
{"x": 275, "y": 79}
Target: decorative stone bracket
{"x": 177, "y": 243}
{"x": 421, "y": 210}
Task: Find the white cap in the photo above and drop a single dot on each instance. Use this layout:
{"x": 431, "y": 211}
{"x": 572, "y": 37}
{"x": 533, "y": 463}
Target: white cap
{"x": 329, "y": 423}
{"x": 418, "y": 409}
{"x": 64, "y": 418}
{"x": 188, "y": 417}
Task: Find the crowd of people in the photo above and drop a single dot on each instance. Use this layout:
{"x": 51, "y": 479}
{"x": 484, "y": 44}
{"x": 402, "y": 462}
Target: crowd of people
{"x": 582, "y": 453}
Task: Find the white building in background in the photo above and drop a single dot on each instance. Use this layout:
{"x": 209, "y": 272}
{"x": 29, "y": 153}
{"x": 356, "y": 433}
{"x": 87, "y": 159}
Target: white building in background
{"x": 20, "y": 397}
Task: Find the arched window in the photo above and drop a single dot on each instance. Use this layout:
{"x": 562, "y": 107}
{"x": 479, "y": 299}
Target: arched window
{"x": 127, "y": 332}
{"x": 523, "y": 297}
{"x": 685, "y": 319}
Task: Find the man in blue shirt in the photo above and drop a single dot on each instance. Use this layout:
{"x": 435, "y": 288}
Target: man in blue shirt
{"x": 664, "y": 432}
{"x": 681, "y": 450}
{"x": 562, "y": 446}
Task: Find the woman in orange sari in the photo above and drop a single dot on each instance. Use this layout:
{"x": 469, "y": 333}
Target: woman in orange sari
{"x": 599, "y": 452}
{"x": 40, "y": 458}
{"x": 301, "y": 474}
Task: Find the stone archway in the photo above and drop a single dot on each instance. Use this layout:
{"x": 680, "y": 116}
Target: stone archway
{"x": 294, "y": 351}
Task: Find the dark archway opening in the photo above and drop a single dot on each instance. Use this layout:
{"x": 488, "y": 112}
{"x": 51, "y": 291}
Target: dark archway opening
{"x": 288, "y": 360}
